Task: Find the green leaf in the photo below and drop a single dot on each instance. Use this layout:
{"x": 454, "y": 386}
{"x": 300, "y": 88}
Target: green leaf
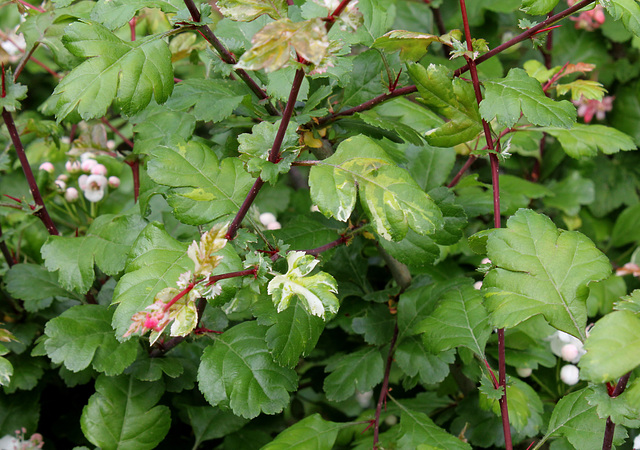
{"x": 361, "y": 370}
{"x": 157, "y": 124}
{"x": 430, "y": 166}
{"x": 392, "y": 124}
{"x": 619, "y": 409}
{"x": 6, "y": 371}
{"x": 413, "y": 46}
{"x": 414, "y": 250}
{"x": 272, "y": 46}
{"x": 629, "y": 302}
{"x": 414, "y": 359}
{"x": 152, "y": 369}
{"x": 82, "y": 336}
{"x": 116, "y": 13}
{"x": 315, "y": 293}
{"x": 115, "y": 71}
{"x": 578, "y": 421}
{"x": 525, "y": 406}
{"x": 121, "y": 414}
{"x": 418, "y": 428}
{"x": 294, "y": 334}
{"x": 311, "y": 433}
{"x": 155, "y": 262}
{"x": 14, "y": 92}
{"x": 376, "y": 324}
{"x": 27, "y": 371}
{"x": 626, "y": 10}
{"x": 613, "y": 347}
{"x": 202, "y": 189}
{"x": 538, "y": 7}
{"x": 212, "y": 100}
{"x": 587, "y": 89}
{"x": 391, "y": 198}
{"x": 570, "y": 193}
{"x": 238, "y": 371}
{"x": 453, "y": 99}
{"x": 247, "y": 10}
{"x": 212, "y": 423}
{"x": 21, "y": 409}
{"x": 107, "y": 243}
{"x": 583, "y": 141}
{"x": 517, "y": 93}
{"x": 255, "y": 147}
{"x": 539, "y": 269}
{"x": 35, "y": 285}
{"x": 626, "y": 228}
{"x": 459, "y": 320}
{"x": 364, "y": 79}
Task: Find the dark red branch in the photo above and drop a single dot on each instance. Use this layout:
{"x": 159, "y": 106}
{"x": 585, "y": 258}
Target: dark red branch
{"x": 42, "y": 212}
{"x": 242, "y": 273}
{"x": 463, "y": 169}
{"x": 117, "y": 132}
{"x": 343, "y": 239}
{"x": 384, "y": 390}
{"x": 228, "y": 58}
{"x": 610, "y": 427}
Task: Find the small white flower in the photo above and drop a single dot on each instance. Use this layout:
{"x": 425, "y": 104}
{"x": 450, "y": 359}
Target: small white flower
{"x": 570, "y": 374}
{"x": 9, "y": 442}
{"x": 364, "y": 398}
{"x": 71, "y": 194}
{"x": 99, "y": 169}
{"x": 60, "y": 185}
{"x": 82, "y": 181}
{"x": 636, "y": 443}
{"x": 114, "y": 182}
{"x": 111, "y": 144}
{"x": 88, "y": 164}
{"x": 73, "y": 166}
{"x": 524, "y": 372}
{"x": 47, "y": 167}
{"x": 267, "y": 218}
{"x": 94, "y": 188}
{"x": 559, "y": 339}
{"x": 485, "y": 261}
{"x": 314, "y": 208}
{"x": 274, "y": 226}
{"x": 477, "y": 285}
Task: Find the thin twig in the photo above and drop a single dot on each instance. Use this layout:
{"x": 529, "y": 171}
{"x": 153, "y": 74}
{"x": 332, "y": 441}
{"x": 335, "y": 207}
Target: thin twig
{"x": 30, "y": 6}
{"x": 117, "y": 132}
{"x": 465, "y": 167}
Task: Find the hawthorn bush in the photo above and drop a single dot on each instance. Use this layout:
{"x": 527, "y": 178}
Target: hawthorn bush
{"x": 279, "y": 224}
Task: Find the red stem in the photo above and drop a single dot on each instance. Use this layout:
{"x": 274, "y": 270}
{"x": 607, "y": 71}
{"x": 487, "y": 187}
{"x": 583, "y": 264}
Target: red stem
{"x": 135, "y": 171}
{"x": 132, "y": 27}
{"x": 610, "y": 427}
{"x": 181, "y": 294}
{"x": 42, "y": 213}
{"x": 30, "y": 6}
{"x": 323, "y": 248}
{"x": 384, "y": 390}
{"x": 456, "y": 179}
{"x": 242, "y": 273}
{"x": 117, "y": 132}
{"x": 341, "y": 7}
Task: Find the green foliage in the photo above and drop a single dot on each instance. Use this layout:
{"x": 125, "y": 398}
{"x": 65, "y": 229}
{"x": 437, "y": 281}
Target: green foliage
{"x": 115, "y": 13}
{"x": 310, "y": 433}
{"x": 13, "y": 93}
{"x": 128, "y": 73}
{"x": 584, "y": 141}
{"x": 247, "y": 10}
{"x": 361, "y": 370}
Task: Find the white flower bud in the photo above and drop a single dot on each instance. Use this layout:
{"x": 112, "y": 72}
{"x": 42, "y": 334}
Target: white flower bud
{"x": 61, "y": 185}
{"x": 391, "y": 420}
{"x": 274, "y": 226}
{"x": 71, "y": 194}
{"x": 47, "y": 167}
{"x": 99, "y": 169}
{"x": 524, "y": 372}
{"x": 636, "y": 443}
{"x": 570, "y": 374}
{"x": 114, "y": 182}
{"x": 570, "y": 353}
{"x": 267, "y": 218}
{"x": 364, "y": 398}
{"x": 314, "y": 208}
{"x": 477, "y": 285}
{"x": 485, "y": 261}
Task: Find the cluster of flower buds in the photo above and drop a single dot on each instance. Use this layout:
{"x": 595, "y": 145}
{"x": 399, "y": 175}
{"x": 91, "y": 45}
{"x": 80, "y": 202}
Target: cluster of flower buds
{"x": 569, "y": 349}
{"x": 588, "y": 20}
{"x": 20, "y": 441}
{"x": 92, "y": 178}
{"x": 587, "y": 109}
{"x": 270, "y": 221}
{"x": 179, "y": 305}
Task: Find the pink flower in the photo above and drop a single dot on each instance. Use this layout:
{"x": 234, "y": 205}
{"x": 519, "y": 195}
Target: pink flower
{"x": 98, "y": 169}
{"x": 88, "y": 164}
{"x": 589, "y": 108}
{"x": 94, "y": 187}
{"x": 588, "y": 20}
{"x": 114, "y": 182}
{"x": 628, "y": 269}
{"x": 47, "y": 167}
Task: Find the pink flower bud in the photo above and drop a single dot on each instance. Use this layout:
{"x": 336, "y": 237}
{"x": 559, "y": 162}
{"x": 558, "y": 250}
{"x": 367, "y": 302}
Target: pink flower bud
{"x": 73, "y": 167}
{"x": 114, "y": 182}
{"x": 99, "y": 169}
{"x": 274, "y": 226}
{"x": 63, "y": 177}
{"x": 47, "y": 167}
{"x": 61, "y": 185}
{"x": 569, "y": 352}
{"x": 71, "y": 194}
{"x": 88, "y": 164}
{"x": 267, "y": 218}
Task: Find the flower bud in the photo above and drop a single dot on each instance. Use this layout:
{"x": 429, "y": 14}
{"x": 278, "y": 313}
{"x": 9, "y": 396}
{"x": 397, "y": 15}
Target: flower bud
{"x": 570, "y": 352}
{"x": 570, "y": 374}
{"x": 524, "y": 372}
{"x": 99, "y": 169}
{"x": 274, "y": 226}
{"x": 82, "y": 181}
{"x": 47, "y": 167}
{"x": 114, "y": 182}
{"x": 71, "y": 194}
{"x": 73, "y": 167}
{"x": 267, "y": 218}
{"x": 88, "y": 164}
{"x": 63, "y": 177}
{"x": 61, "y": 185}
{"x": 477, "y": 285}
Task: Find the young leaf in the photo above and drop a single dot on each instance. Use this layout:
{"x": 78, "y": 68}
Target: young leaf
{"x": 626, "y": 228}
{"x": 507, "y": 97}
{"x": 248, "y": 10}
{"x": 577, "y": 420}
{"x": 539, "y": 269}
{"x": 82, "y": 336}
{"x": 115, "y": 13}
{"x": 238, "y": 371}
{"x": 315, "y": 292}
{"x": 626, "y": 10}
{"x": 393, "y": 201}
{"x": 294, "y": 334}
{"x": 312, "y": 432}
{"x": 360, "y": 370}
{"x": 587, "y": 89}
{"x": 202, "y": 189}
{"x": 121, "y": 414}
{"x": 14, "y": 92}
{"x": 106, "y": 243}
{"x": 613, "y": 347}
{"x": 417, "y": 428}
{"x": 413, "y": 46}
{"x": 584, "y": 141}
{"x": 629, "y": 302}
{"x": 376, "y": 324}
{"x": 453, "y": 99}
{"x": 538, "y": 7}
{"x": 459, "y": 320}
{"x": 127, "y": 73}
{"x": 619, "y": 409}
{"x": 212, "y": 100}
